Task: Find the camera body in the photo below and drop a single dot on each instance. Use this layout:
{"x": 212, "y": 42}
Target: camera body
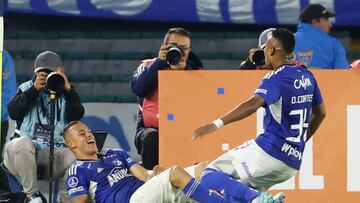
{"x": 174, "y": 54}
{"x": 259, "y": 57}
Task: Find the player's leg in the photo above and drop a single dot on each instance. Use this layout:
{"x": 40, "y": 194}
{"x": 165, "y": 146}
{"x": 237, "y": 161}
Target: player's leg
{"x": 258, "y": 169}
{"x": 157, "y": 190}
{"x": 249, "y": 164}
{"x": 225, "y": 162}
{"x": 196, "y": 170}
{"x": 192, "y": 188}
{"x": 225, "y": 184}
{"x": 228, "y": 186}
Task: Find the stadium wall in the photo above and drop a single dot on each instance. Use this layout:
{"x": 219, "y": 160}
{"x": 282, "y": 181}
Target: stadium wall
{"x": 331, "y": 162}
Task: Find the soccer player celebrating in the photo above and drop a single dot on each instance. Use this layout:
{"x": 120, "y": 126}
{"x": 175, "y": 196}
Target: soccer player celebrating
{"x": 294, "y": 111}
{"x": 112, "y": 176}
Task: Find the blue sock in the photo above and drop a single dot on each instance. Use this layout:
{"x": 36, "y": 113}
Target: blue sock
{"x": 223, "y": 182}
{"x": 197, "y": 191}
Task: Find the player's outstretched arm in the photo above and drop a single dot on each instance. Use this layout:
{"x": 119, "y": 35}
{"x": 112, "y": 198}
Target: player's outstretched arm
{"x": 204, "y": 130}
{"x": 317, "y": 116}
{"x": 240, "y": 112}
{"x": 244, "y": 109}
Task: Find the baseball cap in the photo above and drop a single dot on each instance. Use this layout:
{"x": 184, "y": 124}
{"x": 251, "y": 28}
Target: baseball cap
{"x": 264, "y": 36}
{"x": 315, "y": 11}
{"x": 355, "y": 65}
{"x": 47, "y": 60}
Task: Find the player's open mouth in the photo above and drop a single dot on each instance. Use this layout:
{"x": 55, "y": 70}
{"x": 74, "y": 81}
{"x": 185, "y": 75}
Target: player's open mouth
{"x": 90, "y": 141}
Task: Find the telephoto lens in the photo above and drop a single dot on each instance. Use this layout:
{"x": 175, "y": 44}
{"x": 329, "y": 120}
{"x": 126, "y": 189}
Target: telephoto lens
{"x": 174, "y": 55}
{"x": 55, "y": 82}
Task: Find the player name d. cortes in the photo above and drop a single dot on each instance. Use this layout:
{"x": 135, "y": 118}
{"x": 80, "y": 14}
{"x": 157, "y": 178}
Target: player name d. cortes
{"x": 302, "y": 99}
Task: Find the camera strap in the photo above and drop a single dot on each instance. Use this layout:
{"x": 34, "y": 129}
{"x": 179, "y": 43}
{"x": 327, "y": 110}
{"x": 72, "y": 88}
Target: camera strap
{"x": 44, "y": 109}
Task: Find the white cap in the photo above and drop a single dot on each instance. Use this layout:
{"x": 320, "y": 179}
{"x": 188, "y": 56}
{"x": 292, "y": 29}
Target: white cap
{"x": 264, "y": 36}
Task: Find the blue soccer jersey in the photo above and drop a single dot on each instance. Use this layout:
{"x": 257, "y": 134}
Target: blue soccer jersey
{"x": 290, "y": 92}
{"x": 105, "y": 180}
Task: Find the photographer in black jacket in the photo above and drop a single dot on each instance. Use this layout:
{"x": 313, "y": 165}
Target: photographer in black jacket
{"x": 28, "y": 149}
{"x": 175, "y": 55}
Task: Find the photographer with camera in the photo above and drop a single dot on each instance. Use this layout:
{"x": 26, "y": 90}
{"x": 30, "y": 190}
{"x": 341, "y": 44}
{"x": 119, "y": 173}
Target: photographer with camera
{"x": 27, "y": 152}
{"x": 174, "y": 54}
{"x": 256, "y": 58}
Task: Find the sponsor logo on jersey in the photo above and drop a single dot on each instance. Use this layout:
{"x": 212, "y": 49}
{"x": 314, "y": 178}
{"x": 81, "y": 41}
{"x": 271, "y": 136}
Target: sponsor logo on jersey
{"x": 77, "y": 189}
{"x": 263, "y": 91}
{"x": 109, "y": 156}
{"x": 291, "y": 151}
{"x": 302, "y": 83}
{"x": 73, "y": 182}
{"x": 116, "y": 175}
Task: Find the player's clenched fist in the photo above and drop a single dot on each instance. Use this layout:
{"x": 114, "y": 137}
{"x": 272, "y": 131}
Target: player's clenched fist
{"x": 204, "y": 130}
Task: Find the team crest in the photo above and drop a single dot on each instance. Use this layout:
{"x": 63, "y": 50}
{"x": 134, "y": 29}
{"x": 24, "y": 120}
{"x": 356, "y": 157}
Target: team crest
{"x": 117, "y": 162}
{"x": 305, "y": 56}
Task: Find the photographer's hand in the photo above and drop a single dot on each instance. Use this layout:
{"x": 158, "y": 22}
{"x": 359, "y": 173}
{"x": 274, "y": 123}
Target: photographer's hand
{"x": 251, "y": 54}
{"x": 180, "y": 66}
{"x": 163, "y": 51}
{"x": 67, "y": 85}
{"x": 40, "y": 81}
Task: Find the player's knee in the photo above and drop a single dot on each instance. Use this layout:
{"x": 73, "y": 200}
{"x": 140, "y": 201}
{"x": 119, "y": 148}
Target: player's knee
{"x": 175, "y": 173}
{"x": 179, "y": 177}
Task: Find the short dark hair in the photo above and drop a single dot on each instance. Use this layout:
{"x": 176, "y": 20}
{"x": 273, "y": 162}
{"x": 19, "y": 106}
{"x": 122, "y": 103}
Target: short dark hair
{"x": 286, "y": 38}
{"x": 177, "y": 30}
{"x": 68, "y": 126}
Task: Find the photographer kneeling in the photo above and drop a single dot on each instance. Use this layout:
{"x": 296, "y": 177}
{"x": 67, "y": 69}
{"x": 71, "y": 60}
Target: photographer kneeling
{"x": 174, "y": 54}
{"x": 27, "y": 151}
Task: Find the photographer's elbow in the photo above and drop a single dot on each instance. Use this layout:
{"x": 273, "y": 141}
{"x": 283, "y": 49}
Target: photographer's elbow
{"x": 139, "y": 90}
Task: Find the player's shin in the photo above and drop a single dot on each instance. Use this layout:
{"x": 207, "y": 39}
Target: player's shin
{"x": 197, "y": 191}
{"x": 224, "y": 183}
